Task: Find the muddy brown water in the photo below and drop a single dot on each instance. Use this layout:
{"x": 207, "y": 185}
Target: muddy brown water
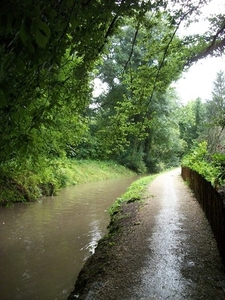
{"x": 43, "y": 245}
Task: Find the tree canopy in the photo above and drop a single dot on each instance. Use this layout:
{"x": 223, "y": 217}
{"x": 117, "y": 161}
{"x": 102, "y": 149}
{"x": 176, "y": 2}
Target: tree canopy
{"x": 52, "y": 50}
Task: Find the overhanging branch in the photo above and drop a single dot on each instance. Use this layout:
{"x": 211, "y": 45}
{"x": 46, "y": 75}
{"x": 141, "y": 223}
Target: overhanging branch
{"x": 215, "y": 44}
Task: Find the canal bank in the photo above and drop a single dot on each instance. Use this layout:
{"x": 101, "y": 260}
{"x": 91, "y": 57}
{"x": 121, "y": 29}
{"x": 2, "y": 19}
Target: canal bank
{"x": 162, "y": 249}
{"x": 28, "y": 181}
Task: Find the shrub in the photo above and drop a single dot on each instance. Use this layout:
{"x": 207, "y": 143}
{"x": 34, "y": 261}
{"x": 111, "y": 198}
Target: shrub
{"x": 210, "y": 166}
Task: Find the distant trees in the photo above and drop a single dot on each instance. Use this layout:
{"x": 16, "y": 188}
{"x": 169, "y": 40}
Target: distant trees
{"x": 133, "y": 120}
{"x": 192, "y": 122}
{"x": 200, "y": 121}
{"x": 216, "y": 105}
{"x": 208, "y": 157}
{"x": 215, "y": 114}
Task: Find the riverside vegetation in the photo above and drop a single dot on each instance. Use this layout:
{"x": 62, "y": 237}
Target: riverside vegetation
{"x": 211, "y": 165}
{"x": 28, "y": 182}
{"x": 51, "y": 56}
{"x": 135, "y": 192}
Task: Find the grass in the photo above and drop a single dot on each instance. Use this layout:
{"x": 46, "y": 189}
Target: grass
{"x": 28, "y": 182}
{"x": 135, "y": 192}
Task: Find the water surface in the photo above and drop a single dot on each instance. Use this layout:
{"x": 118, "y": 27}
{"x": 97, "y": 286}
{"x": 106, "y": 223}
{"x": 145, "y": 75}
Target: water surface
{"x": 43, "y": 245}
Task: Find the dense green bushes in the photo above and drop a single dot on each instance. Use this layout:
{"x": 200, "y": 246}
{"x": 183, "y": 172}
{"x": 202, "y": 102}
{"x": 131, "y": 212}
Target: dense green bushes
{"x": 210, "y": 165}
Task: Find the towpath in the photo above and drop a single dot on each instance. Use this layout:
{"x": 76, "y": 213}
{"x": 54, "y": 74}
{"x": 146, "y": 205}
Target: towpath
{"x": 166, "y": 251}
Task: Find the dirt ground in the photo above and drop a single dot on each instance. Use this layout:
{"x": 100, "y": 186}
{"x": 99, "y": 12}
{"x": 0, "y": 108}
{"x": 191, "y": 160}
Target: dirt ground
{"x": 162, "y": 248}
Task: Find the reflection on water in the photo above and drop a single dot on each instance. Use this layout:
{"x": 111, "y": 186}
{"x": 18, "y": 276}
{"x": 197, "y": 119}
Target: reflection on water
{"x": 95, "y": 235}
{"x": 44, "y": 244}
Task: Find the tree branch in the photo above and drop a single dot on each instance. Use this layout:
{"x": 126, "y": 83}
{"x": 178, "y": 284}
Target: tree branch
{"x": 132, "y": 47}
{"x": 214, "y": 45}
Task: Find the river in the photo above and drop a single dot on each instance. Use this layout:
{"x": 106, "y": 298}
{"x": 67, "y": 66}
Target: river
{"x": 44, "y": 244}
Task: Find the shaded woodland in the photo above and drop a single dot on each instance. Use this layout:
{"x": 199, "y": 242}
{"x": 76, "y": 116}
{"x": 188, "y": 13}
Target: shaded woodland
{"x": 52, "y": 53}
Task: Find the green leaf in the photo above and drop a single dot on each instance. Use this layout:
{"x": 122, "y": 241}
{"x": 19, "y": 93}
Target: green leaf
{"x": 24, "y": 35}
{"x": 34, "y": 27}
{"x": 74, "y": 23}
{"x": 3, "y": 100}
{"x": 52, "y": 13}
{"x": 20, "y": 64}
{"x": 30, "y": 48}
{"x": 44, "y": 29}
{"x": 41, "y": 32}
{"x": 7, "y": 60}
{"x": 41, "y": 39}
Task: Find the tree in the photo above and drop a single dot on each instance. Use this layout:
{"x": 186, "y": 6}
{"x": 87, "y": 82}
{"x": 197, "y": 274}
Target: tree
{"x": 48, "y": 55}
{"x": 216, "y": 106}
{"x": 130, "y": 114}
{"x": 192, "y": 122}
{"x": 37, "y": 41}
{"x": 213, "y": 41}
{"x": 216, "y": 114}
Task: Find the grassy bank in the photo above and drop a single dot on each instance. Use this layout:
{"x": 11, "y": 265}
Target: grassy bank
{"x": 28, "y": 181}
{"x": 123, "y": 219}
{"x": 135, "y": 192}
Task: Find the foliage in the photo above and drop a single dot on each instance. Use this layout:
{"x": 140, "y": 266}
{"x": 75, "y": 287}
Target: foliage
{"x": 215, "y": 112}
{"x": 210, "y": 166}
{"x": 133, "y": 160}
{"x": 192, "y": 122}
{"x": 218, "y": 160}
{"x": 216, "y": 106}
{"x": 41, "y": 127}
{"x": 134, "y": 120}
{"x": 212, "y": 42}
{"x": 28, "y": 182}
{"x": 135, "y": 192}
{"x": 208, "y": 158}
{"x": 49, "y": 54}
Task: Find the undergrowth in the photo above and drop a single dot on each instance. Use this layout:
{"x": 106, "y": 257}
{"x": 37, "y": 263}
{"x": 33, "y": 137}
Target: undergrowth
{"x": 135, "y": 192}
{"x": 210, "y": 165}
{"x": 27, "y": 180}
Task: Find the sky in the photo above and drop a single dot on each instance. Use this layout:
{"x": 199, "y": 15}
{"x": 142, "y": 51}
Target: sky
{"x": 198, "y": 80}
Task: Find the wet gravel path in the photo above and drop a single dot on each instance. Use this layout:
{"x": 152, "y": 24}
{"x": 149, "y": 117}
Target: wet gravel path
{"x": 183, "y": 260}
{"x": 166, "y": 250}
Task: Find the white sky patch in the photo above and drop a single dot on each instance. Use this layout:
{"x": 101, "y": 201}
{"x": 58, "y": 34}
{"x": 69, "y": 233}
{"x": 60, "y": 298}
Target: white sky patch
{"x": 198, "y": 80}
{"x": 99, "y": 87}
{"x": 200, "y": 27}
